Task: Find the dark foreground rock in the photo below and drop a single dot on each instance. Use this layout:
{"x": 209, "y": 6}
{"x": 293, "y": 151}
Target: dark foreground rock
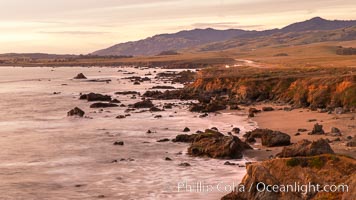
{"x": 95, "y": 97}
{"x": 306, "y": 148}
{"x": 103, "y": 105}
{"x": 214, "y": 144}
{"x": 321, "y": 169}
{"x": 268, "y": 137}
{"x": 76, "y": 112}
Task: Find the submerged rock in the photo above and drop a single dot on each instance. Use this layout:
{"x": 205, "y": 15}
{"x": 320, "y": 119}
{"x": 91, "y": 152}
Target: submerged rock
{"x": 76, "y": 112}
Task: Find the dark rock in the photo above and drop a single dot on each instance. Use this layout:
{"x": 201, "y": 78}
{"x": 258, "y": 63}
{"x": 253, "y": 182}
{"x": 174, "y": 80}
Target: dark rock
{"x": 185, "y": 164}
{"x": 163, "y": 87}
{"x": 158, "y": 116}
{"x": 80, "y": 76}
{"x": 214, "y": 128}
{"x": 213, "y": 106}
{"x": 149, "y": 132}
{"x": 143, "y": 104}
{"x": 127, "y": 93}
{"x": 155, "y": 109}
{"x": 185, "y": 138}
{"x": 297, "y": 134}
{"x": 214, "y": 144}
{"x": 229, "y": 163}
{"x": 204, "y": 115}
{"x": 302, "y": 130}
{"x": 276, "y": 138}
{"x": 251, "y": 140}
{"x": 312, "y": 120}
{"x": 76, "y": 112}
{"x": 103, "y": 105}
{"x": 351, "y": 143}
{"x": 120, "y": 117}
{"x": 168, "y": 106}
{"x": 335, "y": 132}
{"x": 186, "y": 129}
{"x": 95, "y": 97}
{"x": 236, "y": 130}
{"x": 115, "y": 101}
{"x": 119, "y": 143}
{"x": 137, "y": 83}
{"x": 163, "y": 140}
{"x": 269, "y": 137}
{"x": 168, "y": 159}
{"x": 306, "y": 148}
{"x": 234, "y": 107}
{"x": 317, "y": 130}
{"x": 266, "y": 109}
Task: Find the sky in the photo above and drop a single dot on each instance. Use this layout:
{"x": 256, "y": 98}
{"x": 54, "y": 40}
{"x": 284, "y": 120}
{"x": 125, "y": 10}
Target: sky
{"x": 84, "y": 26}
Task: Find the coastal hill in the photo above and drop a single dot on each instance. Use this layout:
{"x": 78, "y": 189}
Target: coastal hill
{"x": 197, "y": 37}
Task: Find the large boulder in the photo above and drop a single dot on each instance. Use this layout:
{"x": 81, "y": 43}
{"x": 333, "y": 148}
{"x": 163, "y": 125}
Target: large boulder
{"x": 95, "y": 97}
{"x": 143, "y": 104}
{"x": 215, "y": 145}
{"x": 306, "y": 148}
{"x": 268, "y": 137}
{"x": 321, "y": 170}
{"x": 76, "y": 112}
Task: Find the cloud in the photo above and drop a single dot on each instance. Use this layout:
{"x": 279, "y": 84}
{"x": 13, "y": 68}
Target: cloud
{"x": 74, "y": 32}
{"x": 225, "y": 25}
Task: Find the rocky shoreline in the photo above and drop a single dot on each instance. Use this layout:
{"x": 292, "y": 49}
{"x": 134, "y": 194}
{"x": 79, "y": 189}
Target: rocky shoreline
{"x": 331, "y": 95}
{"x": 305, "y": 149}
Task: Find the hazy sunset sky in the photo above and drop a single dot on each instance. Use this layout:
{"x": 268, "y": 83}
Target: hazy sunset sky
{"x": 83, "y": 26}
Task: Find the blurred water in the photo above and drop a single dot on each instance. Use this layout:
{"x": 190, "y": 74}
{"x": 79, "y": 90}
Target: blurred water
{"x": 47, "y": 155}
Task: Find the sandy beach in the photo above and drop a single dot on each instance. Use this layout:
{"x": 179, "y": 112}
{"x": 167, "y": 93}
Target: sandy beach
{"x": 290, "y": 121}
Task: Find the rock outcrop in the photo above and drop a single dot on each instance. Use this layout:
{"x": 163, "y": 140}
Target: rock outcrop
{"x": 306, "y": 148}
{"x": 268, "y": 137}
{"x": 321, "y": 169}
{"x": 214, "y": 144}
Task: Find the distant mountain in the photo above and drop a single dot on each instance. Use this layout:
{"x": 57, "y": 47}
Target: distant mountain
{"x": 281, "y": 38}
{"x": 318, "y": 23}
{"x": 198, "y": 37}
